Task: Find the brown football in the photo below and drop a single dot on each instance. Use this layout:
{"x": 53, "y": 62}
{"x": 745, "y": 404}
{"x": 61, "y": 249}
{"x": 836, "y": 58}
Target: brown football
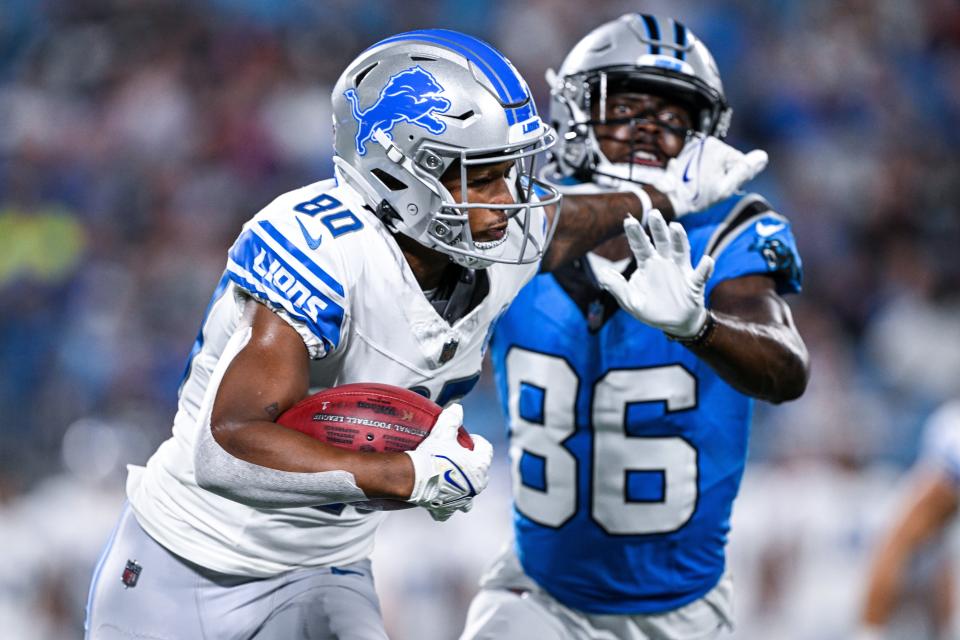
{"x": 368, "y": 417}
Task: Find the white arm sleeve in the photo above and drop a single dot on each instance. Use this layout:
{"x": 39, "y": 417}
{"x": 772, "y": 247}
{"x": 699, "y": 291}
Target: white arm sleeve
{"x": 230, "y": 477}
{"x": 219, "y": 472}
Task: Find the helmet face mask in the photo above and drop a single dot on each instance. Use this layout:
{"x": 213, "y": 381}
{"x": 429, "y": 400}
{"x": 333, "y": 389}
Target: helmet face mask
{"x": 454, "y": 216}
{"x": 414, "y": 105}
{"x": 636, "y": 53}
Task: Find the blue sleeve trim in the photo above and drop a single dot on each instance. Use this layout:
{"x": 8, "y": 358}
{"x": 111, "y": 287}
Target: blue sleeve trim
{"x": 304, "y": 260}
{"x": 255, "y": 267}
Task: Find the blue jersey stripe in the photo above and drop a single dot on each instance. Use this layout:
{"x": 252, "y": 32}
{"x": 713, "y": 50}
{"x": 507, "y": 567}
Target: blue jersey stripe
{"x": 653, "y": 31}
{"x": 680, "y": 35}
{"x": 302, "y": 257}
{"x": 272, "y": 279}
{"x": 328, "y": 332}
{"x": 510, "y": 86}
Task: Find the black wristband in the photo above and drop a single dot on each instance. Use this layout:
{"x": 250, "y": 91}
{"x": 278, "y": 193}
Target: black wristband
{"x": 702, "y": 337}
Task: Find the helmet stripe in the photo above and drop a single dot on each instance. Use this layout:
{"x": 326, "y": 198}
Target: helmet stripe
{"x": 510, "y": 87}
{"x": 653, "y": 32}
{"x": 680, "y": 35}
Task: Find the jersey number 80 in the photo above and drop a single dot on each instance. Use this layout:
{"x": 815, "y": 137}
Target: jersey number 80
{"x": 614, "y": 452}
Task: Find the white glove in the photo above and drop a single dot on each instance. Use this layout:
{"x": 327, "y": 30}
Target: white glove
{"x": 665, "y": 291}
{"x": 707, "y": 171}
{"x": 447, "y": 475}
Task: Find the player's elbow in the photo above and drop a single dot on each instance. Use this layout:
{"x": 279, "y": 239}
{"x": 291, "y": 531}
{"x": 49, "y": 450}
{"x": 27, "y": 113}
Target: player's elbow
{"x": 224, "y": 433}
{"x": 211, "y": 456}
{"x": 792, "y": 390}
{"x": 208, "y": 480}
{"x": 792, "y": 381}
{"x": 209, "y": 475}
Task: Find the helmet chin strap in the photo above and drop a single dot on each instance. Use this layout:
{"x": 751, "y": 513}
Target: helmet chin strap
{"x": 356, "y": 180}
{"x": 629, "y": 172}
{"x": 470, "y": 262}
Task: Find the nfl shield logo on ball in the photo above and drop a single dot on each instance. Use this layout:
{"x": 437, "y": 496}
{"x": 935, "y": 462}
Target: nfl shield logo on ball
{"x": 131, "y": 573}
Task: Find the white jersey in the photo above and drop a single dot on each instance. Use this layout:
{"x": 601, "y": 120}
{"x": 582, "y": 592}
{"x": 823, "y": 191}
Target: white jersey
{"x": 941, "y": 439}
{"x": 327, "y": 266}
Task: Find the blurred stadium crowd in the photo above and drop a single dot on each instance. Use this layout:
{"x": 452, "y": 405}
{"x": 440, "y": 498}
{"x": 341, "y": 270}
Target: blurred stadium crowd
{"x": 136, "y": 136}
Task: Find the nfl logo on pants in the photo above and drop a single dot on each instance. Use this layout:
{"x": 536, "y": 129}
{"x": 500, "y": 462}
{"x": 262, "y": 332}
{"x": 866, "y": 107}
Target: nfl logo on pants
{"x": 131, "y": 573}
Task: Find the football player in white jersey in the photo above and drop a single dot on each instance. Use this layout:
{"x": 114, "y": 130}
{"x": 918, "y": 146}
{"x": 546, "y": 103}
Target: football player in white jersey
{"x": 392, "y": 272}
{"x": 932, "y": 505}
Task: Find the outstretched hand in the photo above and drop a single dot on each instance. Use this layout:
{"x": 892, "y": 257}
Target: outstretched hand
{"x": 664, "y": 291}
{"x": 707, "y": 171}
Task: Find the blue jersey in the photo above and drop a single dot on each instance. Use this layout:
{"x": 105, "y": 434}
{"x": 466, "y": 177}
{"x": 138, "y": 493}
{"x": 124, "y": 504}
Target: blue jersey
{"x": 626, "y": 449}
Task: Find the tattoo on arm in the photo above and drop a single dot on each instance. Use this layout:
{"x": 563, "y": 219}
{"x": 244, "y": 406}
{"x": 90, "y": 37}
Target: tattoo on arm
{"x": 272, "y": 410}
{"x": 586, "y": 221}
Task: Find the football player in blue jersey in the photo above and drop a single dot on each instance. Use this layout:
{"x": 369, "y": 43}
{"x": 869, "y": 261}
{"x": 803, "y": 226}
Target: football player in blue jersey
{"x": 393, "y": 272}
{"x": 628, "y": 377}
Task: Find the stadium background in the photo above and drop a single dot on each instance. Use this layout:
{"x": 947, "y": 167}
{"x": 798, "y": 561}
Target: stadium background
{"x": 137, "y": 135}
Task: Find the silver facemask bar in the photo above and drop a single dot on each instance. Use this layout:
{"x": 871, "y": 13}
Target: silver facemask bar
{"x": 457, "y": 213}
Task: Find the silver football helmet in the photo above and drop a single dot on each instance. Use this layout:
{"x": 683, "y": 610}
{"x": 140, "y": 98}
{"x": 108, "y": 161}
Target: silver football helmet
{"x": 656, "y": 55}
{"x": 411, "y": 106}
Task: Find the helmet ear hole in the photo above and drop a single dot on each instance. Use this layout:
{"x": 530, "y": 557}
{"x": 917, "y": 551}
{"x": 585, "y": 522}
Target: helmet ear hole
{"x": 357, "y": 79}
{"x": 390, "y": 182}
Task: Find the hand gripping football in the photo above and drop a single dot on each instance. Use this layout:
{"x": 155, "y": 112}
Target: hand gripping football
{"x": 368, "y": 417}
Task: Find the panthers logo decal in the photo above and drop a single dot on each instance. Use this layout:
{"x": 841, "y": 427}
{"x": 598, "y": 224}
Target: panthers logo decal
{"x": 779, "y": 258}
{"x": 413, "y": 96}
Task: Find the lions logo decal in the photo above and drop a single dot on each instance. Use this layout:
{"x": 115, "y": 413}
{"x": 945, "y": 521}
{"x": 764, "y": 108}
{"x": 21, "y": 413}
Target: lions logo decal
{"x": 413, "y": 95}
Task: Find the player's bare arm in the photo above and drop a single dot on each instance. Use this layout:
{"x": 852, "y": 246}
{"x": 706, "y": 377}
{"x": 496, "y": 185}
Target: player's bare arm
{"x": 934, "y": 501}
{"x": 587, "y": 221}
{"x": 268, "y": 376}
{"x": 747, "y": 335}
{"x": 753, "y": 343}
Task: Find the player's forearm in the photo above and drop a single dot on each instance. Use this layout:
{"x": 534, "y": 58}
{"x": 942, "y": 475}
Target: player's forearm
{"x": 589, "y": 220}
{"x": 933, "y": 504}
{"x": 289, "y": 454}
{"x": 884, "y": 585}
{"x": 765, "y": 361}
{"x": 890, "y": 562}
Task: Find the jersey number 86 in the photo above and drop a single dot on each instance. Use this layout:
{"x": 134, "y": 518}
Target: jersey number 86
{"x": 614, "y": 453}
